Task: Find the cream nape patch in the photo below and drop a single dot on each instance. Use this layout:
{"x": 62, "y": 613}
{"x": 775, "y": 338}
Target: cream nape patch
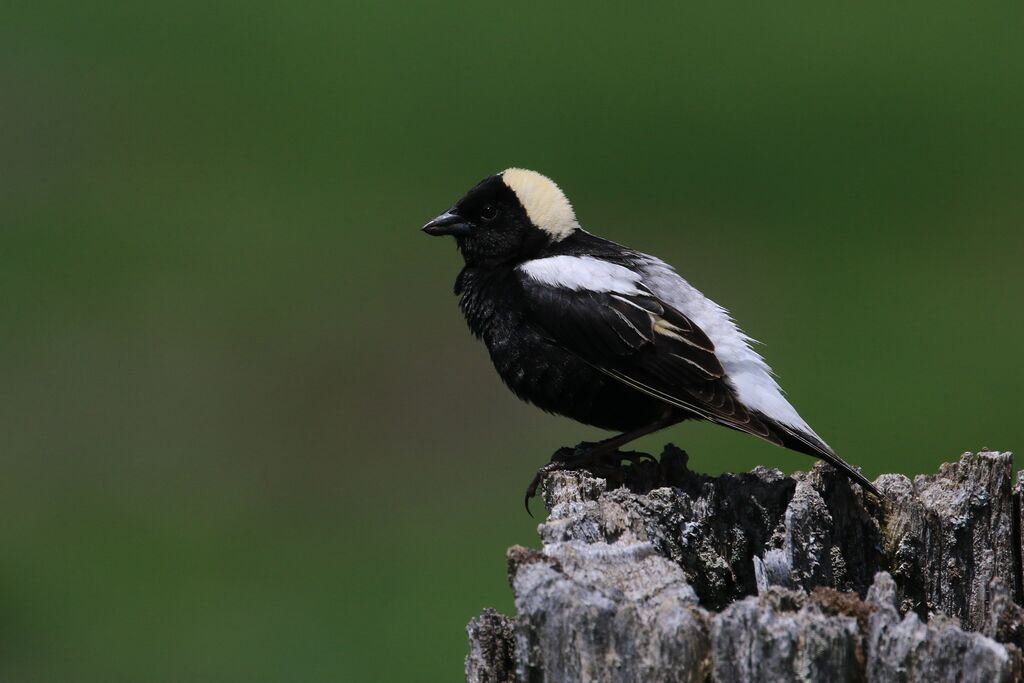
{"x": 546, "y": 205}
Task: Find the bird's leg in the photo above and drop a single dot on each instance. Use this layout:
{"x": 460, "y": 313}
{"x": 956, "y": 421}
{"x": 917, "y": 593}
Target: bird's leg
{"x": 590, "y": 454}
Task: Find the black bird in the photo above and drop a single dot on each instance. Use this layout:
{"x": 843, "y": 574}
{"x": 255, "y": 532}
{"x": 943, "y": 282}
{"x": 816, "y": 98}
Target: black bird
{"x": 583, "y": 327}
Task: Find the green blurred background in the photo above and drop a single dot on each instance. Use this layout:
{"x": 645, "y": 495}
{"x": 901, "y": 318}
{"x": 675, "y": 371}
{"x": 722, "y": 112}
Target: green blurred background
{"x": 245, "y": 433}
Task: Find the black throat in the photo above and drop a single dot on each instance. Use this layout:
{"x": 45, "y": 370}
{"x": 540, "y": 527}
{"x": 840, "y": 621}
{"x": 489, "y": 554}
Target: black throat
{"x": 491, "y": 300}
{"x": 532, "y": 242}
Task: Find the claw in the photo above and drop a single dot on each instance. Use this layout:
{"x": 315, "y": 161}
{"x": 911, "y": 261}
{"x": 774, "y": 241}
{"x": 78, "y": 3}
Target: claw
{"x": 557, "y": 463}
{"x": 531, "y": 490}
{"x": 635, "y": 457}
{"x": 581, "y": 455}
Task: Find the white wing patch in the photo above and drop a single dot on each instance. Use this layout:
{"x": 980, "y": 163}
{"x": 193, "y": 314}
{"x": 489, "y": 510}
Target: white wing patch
{"x": 546, "y": 205}
{"x": 582, "y": 272}
{"x": 745, "y": 369}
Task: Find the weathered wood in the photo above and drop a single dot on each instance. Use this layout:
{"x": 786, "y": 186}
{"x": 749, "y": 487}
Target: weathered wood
{"x": 676, "y": 576}
{"x": 491, "y": 657}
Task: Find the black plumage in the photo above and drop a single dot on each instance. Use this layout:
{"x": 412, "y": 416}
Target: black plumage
{"x": 574, "y": 326}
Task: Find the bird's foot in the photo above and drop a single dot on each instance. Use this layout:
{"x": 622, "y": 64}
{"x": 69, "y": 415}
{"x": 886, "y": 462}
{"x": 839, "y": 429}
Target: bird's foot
{"x": 562, "y": 459}
{"x": 585, "y": 456}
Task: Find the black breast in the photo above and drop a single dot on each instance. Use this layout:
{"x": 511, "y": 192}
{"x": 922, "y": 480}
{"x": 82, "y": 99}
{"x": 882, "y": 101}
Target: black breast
{"x": 535, "y": 368}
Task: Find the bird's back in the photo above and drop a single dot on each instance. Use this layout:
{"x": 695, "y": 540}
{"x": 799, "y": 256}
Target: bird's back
{"x": 747, "y": 376}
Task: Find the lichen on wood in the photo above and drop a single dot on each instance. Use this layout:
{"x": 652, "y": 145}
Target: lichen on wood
{"x": 664, "y": 574}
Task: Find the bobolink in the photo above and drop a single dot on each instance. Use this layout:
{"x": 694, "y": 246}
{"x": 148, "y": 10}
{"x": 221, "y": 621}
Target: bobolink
{"x": 611, "y": 337}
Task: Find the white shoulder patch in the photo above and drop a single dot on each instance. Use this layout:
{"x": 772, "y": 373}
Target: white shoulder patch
{"x": 745, "y": 369}
{"x": 545, "y": 203}
{"x": 582, "y": 272}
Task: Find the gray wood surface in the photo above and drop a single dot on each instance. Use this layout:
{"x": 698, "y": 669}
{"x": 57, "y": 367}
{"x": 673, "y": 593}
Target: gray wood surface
{"x": 661, "y": 574}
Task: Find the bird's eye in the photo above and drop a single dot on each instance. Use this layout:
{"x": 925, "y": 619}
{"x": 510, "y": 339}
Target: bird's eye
{"x": 489, "y": 212}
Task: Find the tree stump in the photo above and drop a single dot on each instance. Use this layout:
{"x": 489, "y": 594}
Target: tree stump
{"x": 667, "y": 575}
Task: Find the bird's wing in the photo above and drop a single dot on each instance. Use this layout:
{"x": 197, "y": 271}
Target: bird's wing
{"x": 605, "y": 314}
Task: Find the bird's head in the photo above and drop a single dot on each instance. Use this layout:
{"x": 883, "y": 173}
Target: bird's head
{"x": 507, "y": 218}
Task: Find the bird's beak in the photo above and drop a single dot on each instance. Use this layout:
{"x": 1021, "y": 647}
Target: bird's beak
{"x": 447, "y": 223}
